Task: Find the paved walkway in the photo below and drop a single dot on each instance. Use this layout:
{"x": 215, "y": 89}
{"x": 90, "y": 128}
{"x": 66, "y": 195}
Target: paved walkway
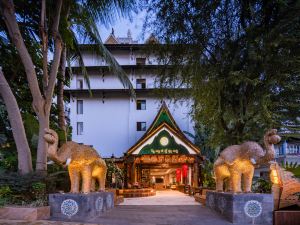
{"x": 166, "y": 208}
{"x": 163, "y": 198}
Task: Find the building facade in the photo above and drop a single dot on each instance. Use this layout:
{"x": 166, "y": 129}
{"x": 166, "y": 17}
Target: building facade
{"x": 288, "y": 152}
{"x": 110, "y": 119}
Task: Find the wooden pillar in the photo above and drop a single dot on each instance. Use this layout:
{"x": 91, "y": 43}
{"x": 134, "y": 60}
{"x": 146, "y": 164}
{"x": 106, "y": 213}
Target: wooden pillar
{"x": 190, "y": 175}
{"x": 181, "y": 176}
{"x": 196, "y": 175}
{"x": 126, "y": 174}
{"x": 133, "y": 173}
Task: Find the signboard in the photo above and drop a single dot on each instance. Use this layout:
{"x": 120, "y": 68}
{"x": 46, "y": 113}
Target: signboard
{"x": 163, "y": 143}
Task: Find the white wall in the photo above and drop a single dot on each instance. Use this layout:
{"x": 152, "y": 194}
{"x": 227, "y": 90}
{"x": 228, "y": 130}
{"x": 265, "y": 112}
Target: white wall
{"x": 110, "y": 81}
{"x": 111, "y": 126}
{"x": 123, "y": 57}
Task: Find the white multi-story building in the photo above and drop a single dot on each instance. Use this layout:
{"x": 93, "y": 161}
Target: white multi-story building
{"x": 110, "y": 120}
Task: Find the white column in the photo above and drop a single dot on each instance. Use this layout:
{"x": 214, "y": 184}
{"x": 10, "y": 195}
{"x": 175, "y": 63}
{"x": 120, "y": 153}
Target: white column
{"x": 190, "y": 175}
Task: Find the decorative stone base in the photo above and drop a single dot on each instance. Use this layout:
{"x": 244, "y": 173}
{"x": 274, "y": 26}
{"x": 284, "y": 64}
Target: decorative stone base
{"x": 244, "y": 208}
{"x": 25, "y": 213}
{"x": 118, "y": 199}
{"x": 78, "y": 207}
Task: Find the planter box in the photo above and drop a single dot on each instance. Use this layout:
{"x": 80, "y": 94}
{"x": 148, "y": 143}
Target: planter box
{"x": 25, "y": 213}
{"x": 287, "y": 216}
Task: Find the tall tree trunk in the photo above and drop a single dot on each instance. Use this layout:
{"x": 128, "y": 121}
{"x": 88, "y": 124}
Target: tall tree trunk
{"x": 15, "y": 119}
{"x": 41, "y": 158}
{"x": 60, "y": 93}
{"x": 41, "y": 103}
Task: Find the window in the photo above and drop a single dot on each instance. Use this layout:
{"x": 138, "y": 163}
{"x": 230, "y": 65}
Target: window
{"x": 140, "y": 83}
{"x": 79, "y": 84}
{"x": 141, "y": 126}
{"x": 140, "y": 61}
{"x": 79, "y": 106}
{"x": 141, "y": 104}
{"x": 79, "y": 128}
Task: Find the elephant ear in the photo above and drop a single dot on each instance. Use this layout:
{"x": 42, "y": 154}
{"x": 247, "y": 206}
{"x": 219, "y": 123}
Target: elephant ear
{"x": 230, "y": 154}
{"x": 251, "y": 149}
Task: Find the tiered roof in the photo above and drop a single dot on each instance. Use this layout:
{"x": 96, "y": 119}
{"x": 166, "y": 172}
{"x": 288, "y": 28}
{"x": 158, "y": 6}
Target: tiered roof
{"x": 164, "y": 126}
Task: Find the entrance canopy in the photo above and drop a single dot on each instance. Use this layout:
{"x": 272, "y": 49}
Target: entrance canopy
{"x": 163, "y": 155}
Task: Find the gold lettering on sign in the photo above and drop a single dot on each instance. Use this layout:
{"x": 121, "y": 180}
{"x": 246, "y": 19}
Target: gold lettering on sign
{"x": 165, "y": 159}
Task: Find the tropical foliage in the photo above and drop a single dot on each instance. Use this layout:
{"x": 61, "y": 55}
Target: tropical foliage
{"x": 292, "y": 167}
{"x": 114, "y": 176}
{"x": 209, "y": 154}
{"x": 261, "y": 185}
{"x": 42, "y": 29}
{"x": 240, "y": 59}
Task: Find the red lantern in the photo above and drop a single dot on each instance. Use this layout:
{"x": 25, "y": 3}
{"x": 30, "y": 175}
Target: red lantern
{"x": 178, "y": 175}
{"x": 185, "y": 170}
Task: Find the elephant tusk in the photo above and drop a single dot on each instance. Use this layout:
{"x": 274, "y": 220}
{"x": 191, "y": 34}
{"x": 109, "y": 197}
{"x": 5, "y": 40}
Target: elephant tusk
{"x": 68, "y": 161}
{"x": 50, "y": 162}
{"x": 253, "y": 161}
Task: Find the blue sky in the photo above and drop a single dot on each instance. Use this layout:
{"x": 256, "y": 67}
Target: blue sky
{"x": 122, "y": 25}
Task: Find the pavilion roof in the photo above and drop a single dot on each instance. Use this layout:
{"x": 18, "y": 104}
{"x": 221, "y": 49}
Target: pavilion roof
{"x": 164, "y": 122}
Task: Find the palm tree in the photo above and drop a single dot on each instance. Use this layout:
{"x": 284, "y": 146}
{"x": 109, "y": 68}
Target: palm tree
{"x": 68, "y": 20}
{"x": 82, "y": 24}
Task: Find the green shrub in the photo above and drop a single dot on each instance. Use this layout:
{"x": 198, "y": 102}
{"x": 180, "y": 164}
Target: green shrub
{"x": 260, "y": 185}
{"x": 293, "y": 168}
{"x": 208, "y": 175}
{"x": 5, "y": 195}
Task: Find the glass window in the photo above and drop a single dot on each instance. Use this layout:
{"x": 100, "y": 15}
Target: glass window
{"x": 141, "y": 126}
{"x": 140, "y": 83}
{"x": 79, "y": 84}
{"x": 140, "y": 61}
{"x": 79, "y": 128}
{"x": 141, "y": 104}
{"x": 79, "y": 106}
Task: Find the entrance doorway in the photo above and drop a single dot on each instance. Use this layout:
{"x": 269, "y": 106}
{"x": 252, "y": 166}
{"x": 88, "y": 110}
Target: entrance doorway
{"x": 154, "y": 174}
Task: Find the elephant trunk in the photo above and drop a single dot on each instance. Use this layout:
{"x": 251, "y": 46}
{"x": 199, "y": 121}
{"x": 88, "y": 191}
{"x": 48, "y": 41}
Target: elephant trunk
{"x": 51, "y": 138}
{"x": 270, "y": 138}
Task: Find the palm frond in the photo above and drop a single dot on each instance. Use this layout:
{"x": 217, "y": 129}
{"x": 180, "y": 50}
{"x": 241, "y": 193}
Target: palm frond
{"x": 105, "y": 12}
{"x": 78, "y": 57}
{"x": 85, "y": 26}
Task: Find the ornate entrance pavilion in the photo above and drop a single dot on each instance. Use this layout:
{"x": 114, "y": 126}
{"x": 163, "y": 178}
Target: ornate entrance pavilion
{"x": 163, "y": 156}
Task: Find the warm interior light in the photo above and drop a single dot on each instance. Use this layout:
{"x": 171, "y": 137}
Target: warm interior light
{"x": 274, "y": 177}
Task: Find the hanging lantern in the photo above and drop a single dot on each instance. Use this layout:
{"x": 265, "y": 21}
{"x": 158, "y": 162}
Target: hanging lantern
{"x": 185, "y": 170}
{"x": 178, "y": 175}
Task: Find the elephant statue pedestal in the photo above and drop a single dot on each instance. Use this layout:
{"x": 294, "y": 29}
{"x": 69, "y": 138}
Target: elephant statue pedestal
{"x": 242, "y": 208}
{"x": 79, "y": 207}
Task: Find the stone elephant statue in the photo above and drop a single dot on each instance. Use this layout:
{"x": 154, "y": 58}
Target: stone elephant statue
{"x": 239, "y": 161}
{"x": 83, "y": 163}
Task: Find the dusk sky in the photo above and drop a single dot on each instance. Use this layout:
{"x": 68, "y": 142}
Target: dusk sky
{"x": 122, "y": 25}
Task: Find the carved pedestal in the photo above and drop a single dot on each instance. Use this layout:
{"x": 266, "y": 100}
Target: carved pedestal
{"x": 244, "y": 208}
{"x": 79, "y": 207}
